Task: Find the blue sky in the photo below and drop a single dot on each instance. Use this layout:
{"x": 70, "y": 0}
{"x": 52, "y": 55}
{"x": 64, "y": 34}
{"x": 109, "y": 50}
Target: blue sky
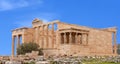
{"x": 91, "y": 13}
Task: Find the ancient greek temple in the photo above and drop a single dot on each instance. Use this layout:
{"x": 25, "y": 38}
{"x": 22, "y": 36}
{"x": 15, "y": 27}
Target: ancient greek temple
{"x": 58, "y": 38}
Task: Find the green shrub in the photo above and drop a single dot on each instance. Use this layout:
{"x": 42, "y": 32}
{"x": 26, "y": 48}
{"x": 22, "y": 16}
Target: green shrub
{"x": 28, "y": 48}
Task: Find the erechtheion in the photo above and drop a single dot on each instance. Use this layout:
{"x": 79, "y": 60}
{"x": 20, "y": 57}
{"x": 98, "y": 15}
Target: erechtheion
{"x": 58, "y": 38}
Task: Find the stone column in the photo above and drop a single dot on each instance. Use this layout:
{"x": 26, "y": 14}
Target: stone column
{"x": 59, "y": 36}
{"x": 47, "y": 39}
{"x": 53, "y": 35}
{"x": 13, "y": 46}
{"x": 58, "y": 40}
{"x": 87, "y": 39}
{"x": 115, "y": 44}
{"x": 76, "y": 38}
{"x": 80, "y": 38}
{"x": 39, "y": 34}
{"x": 18, "y": 41}
{"x": 23, "y": 38}
{"x": 36, "y": 34}
{"x": 70, "y": 38}
{"x": 65, "y": 40}
{"x": 42, "y": 38}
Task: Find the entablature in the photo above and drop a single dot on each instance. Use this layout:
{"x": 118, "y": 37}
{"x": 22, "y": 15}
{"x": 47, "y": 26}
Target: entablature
{"x": 73, "y": 30}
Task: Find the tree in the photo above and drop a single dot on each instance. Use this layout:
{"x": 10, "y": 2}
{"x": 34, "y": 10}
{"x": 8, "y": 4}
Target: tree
{"x": 28, "y": 48}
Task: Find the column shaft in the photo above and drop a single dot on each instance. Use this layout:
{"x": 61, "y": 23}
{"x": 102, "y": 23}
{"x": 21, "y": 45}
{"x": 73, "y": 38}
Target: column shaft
{"x": 70, "y": 38}
{"x": 80, "y": 37}
{"x": 59, "y": 35}
{"x": 76, "y": 39}
{"x": 114, "y": 38}
{"x": 18, "y": 41}
{"x": 36, "y": 35}
{"x": 23, "y": 38}
{"x": 13, "y": 40}
{"x": 42, "y": 38}
{"x": 115, "y": 45}
{"x": 47, "y": 41}
{"x": 87, "y": 39}
{"x": 65, "y": 39}
{"x": 39, "y": 34}
{"x": 53, "y": 35}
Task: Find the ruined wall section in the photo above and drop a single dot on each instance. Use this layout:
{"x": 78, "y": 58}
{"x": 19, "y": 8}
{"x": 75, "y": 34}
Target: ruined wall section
{"x": 99, "y": 41}
{"x": 44, "y": 34}
{"x": 19, "y": 32}
{"x": 62, "y": 25}
{"x": 29, "y": 35}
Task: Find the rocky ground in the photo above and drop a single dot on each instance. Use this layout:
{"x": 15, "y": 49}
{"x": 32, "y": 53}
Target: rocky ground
{"x": 67, "y": 60}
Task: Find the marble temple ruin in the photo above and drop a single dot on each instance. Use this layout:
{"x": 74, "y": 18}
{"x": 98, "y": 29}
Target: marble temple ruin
{"x": 58, "y": 38}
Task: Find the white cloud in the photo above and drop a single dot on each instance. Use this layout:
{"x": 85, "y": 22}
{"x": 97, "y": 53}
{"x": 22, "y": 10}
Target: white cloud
{"x": 28, "y": 23}
{"x": 5, "y": 5}
{"x": 45, "y": 17}
{"x": 12, "y": 4}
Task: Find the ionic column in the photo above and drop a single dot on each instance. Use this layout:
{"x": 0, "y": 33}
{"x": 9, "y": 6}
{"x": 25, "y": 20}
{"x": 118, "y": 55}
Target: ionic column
{"x": 13, "y": 42}
{"x": 23, "y": 38}
{"x": 47, "y": 41}
{"x": 87, "y": 39}
{"x": 115, "y": 44}
{"x": 59, "y": 38}
{"x": 36, "y": 34}
{"x": 53, "y": 35}
{"x": 65, "y": 40}
{"x": 18, "y": 41}
{"x": 70, "y": 38}
{"x": 42, "y": 38}
{"x": 39, "y": 34}
{"x": 80, "y": 37}
{"x": 76, "y": 38}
